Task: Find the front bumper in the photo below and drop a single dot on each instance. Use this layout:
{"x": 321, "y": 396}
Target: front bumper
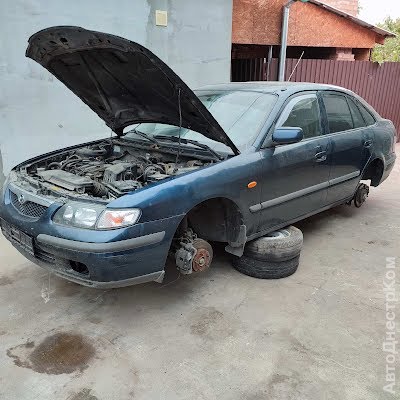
{"x": 103, "y": 259}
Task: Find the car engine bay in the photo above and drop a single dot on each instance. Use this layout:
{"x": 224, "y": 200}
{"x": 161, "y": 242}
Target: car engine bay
{"x": 104, "y": 170}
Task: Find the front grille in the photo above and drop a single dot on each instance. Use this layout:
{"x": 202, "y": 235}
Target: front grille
{"x": 27, "y": 208}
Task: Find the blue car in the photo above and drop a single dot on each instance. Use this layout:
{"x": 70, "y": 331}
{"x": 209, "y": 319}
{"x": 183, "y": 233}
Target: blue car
{"x": 226, "y": 163}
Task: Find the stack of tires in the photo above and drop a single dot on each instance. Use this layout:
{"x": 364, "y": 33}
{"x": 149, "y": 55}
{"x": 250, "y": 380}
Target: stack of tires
{"x": 273, "y": 256}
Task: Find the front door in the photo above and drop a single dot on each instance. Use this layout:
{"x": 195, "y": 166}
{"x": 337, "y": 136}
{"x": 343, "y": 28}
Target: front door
{"x": 295, "y": 177}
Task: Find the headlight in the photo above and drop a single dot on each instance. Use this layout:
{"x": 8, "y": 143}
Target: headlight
{"x": 81, "y": 215}
{"x": 95, "y": 216}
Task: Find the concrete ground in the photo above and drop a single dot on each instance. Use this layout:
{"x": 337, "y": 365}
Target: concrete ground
{"x": 316, "y": 335}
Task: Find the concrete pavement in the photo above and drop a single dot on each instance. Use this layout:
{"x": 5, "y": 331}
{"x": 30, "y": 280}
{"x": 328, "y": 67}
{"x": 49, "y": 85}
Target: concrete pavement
{"x": 316, "y": 335}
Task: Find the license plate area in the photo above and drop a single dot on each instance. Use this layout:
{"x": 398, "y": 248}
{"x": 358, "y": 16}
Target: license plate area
{"x": 17, "y": 237}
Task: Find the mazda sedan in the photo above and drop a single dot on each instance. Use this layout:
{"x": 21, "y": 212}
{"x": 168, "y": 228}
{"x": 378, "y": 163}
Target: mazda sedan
{"x": 226, "y": 163}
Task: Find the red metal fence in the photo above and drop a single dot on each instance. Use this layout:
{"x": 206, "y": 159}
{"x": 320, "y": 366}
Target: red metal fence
{"x": 378, "y": 84}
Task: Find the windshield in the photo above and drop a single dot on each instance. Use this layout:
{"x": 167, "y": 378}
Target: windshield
{"x": 240, "y": 114}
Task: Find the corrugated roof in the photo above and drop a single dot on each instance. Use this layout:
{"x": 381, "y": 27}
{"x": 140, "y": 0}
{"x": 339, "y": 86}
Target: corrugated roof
{"x": 356, "y": 20}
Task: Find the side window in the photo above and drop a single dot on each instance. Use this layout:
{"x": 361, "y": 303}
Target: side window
{"x": 368, "y": 118}
{"x": 338, "y": 113}
{"x": 303, "y": 112}
{"x": 358, "y": 119}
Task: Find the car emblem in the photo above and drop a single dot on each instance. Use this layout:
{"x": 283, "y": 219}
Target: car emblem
{"x": 21, "y": 199}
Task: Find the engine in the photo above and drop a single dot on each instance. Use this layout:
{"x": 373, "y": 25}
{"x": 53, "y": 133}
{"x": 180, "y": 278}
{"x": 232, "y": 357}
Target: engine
{"x": 106, "y": 170}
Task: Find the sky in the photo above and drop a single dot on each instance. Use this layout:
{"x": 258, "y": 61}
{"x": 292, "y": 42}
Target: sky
{"x": 375, "y": 11}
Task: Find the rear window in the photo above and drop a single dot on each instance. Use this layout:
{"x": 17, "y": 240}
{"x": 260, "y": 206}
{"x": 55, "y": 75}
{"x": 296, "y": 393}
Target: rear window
{"x": 368, "y": 118}
{"x": 338, "y": 113}
{"x": 358, "y": 119}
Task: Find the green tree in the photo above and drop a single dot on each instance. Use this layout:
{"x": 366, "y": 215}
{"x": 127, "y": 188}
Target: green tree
{"x": 390, "y": 51}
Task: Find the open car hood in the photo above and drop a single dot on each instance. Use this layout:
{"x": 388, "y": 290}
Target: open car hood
{"x": 121, "y": 81}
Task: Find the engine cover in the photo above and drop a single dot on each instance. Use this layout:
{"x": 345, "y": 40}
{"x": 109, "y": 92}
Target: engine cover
{"x": 66, "y": 180}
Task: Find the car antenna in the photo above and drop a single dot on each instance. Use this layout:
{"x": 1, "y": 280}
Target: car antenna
{"x": 294, "y": 69}
{"x": 180, "y": 128}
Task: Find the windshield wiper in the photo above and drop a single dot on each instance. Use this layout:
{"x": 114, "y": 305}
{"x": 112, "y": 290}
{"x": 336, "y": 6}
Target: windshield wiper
{"x": 144, "y": 135}
{"x": 186, "y": 141}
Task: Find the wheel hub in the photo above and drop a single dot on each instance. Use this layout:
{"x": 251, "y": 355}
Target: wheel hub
{"x": 201, "y": 261}
{"x": 194, "y": 255}
{"x": 361, "y": 195}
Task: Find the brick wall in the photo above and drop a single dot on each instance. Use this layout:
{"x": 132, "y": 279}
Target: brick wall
{"x": 260, "y": 22}
{"x": 348, "y": 6}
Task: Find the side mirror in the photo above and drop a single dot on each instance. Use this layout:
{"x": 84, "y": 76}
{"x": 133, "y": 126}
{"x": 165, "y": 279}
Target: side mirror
{"x": 287, "y": 135}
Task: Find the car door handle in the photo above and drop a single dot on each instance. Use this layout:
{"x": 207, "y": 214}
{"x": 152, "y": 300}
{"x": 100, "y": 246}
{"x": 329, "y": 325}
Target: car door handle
{"x": 320, "y": 156}
{"x": 368, "y": 143}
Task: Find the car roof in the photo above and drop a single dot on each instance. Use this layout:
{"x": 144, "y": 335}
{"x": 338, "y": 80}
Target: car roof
{"x": 274, "y": 87}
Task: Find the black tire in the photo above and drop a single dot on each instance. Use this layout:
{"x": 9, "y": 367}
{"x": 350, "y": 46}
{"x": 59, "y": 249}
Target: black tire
{"x": 266, "y": 269}
{"x": 282, "y": 245}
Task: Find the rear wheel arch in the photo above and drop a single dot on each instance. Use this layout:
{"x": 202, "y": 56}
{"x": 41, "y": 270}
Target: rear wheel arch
{"x": 374, "y": 171}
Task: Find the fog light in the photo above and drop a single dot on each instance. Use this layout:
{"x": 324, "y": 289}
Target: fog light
{"x": 79, "y": 267}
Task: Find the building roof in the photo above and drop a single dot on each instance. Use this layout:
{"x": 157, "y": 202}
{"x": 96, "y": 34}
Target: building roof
{"x": 356, "y": 20}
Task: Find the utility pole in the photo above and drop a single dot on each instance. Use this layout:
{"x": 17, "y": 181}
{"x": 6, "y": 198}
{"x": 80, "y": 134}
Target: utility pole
{"x": 284, "y": 35}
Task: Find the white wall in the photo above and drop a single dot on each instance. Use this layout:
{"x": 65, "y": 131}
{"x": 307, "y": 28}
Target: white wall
{"x": 39, "y": 114}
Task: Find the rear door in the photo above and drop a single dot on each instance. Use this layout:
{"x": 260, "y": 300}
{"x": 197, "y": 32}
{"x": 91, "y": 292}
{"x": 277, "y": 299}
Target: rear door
{"x": 363, "y": 120}
{"x": 295, "y": 176}
{"x": 346, "y": 130}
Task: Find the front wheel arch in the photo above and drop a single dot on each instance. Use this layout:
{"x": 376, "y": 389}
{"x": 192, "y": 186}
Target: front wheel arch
{"x": 217, "y": 219}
